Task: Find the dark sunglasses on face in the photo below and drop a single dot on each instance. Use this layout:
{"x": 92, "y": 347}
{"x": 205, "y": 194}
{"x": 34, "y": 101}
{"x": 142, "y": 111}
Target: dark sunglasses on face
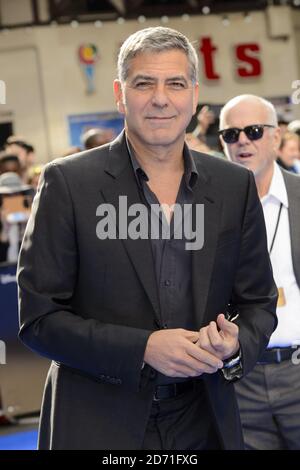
{"x": 253, "y": 132}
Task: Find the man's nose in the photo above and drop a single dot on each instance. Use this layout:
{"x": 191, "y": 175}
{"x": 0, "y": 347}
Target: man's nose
{"x": 243, "y": 139}
{"x": 160, "y": 96}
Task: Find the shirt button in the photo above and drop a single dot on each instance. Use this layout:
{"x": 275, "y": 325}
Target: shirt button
{"x": 167, "y": 283}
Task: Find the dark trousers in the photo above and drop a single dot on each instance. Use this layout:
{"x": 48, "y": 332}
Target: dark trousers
{"x": 269, "y": 403}
{"x": 181, "y": 423}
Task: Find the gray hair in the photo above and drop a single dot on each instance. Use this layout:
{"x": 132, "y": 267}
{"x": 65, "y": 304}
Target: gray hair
{"x": 155, "y": 39}
{"x": 272, "y": 115}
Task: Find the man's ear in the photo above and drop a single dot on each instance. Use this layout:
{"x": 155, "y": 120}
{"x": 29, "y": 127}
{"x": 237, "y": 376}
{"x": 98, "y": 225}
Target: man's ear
{"x": 225, "y": 148}
{"x": 277, "y": 138}
{"x": 222, "y": 143}
{"x": 195, "y": 97}
{"x": 118, "y": 92}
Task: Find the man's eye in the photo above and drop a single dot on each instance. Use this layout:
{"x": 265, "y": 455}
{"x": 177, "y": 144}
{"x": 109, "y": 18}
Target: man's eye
{"x": 177, "y": 85}
{"x": 143, "y": 85}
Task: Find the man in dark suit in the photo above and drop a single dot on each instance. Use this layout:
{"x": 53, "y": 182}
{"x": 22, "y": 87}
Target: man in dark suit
{"x": 269, "y": 396}
{"x": 142, "y": 355}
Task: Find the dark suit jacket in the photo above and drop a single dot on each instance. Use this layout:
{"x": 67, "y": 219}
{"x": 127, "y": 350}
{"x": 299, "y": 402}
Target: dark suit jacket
{"x": 292, "y": 183}
{"x": 90, "y": 305}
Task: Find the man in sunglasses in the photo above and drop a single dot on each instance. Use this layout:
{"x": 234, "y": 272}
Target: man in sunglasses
{"x": 269, "y": 397}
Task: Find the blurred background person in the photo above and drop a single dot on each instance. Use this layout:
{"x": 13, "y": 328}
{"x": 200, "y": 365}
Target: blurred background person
{"x": 289, "y": 152}
{"x": 205, "y": 118}
{"x": 204, "y": 138}
{"x": 15, "y": 145}
{"x": 96, "y": 137}
{"x": 10, "y": 163}
{"x": 15, "y": 203}
{"x": 294, "y": 126}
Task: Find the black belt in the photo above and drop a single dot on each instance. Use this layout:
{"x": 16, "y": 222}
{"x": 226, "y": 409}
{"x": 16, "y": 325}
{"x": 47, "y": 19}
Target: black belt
{"x": 163, "y": 392}
{"x": 276, "y": 355}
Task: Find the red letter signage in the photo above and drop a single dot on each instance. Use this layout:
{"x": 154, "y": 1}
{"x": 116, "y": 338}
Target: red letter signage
{"x": 207, "y": 49}
{"x": 244, "y": 53}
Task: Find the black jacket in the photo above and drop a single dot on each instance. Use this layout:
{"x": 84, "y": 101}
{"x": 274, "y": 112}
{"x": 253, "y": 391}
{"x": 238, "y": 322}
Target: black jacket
{"x": 90, "y": 305}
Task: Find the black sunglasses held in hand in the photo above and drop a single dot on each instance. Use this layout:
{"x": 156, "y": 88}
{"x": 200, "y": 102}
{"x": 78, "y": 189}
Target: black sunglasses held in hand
{"x": 253, "y": 132}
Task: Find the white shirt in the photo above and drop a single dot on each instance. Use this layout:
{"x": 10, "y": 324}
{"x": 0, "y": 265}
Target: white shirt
{"x": 287, "y": 332}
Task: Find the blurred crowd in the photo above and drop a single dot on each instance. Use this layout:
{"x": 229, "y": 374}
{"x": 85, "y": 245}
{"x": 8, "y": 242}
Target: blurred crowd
{"x": 20, "y": 173}
{"x": 19, "y": 177}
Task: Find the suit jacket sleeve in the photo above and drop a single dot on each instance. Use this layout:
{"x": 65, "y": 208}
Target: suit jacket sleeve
{"x": 47, "y": 273}
{"x": 254, "y": 292}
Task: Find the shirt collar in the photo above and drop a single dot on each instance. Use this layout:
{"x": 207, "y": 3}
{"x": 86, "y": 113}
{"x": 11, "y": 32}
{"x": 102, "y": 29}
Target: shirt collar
{"x": 190, "y": 169}
{"x": 277, "y": 188}
{"x": 138, "y": 171}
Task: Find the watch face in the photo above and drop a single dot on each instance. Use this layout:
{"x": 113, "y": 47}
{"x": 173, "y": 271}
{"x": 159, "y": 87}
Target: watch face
{"x": 233, "y": 373}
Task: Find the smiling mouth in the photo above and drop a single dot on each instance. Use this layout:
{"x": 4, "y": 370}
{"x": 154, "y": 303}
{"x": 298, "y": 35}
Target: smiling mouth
{"x": 160, "y": 118}
{"x": 245, "y": 155}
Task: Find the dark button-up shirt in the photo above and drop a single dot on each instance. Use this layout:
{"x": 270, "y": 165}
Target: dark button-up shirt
{"x": 172, "y": 262}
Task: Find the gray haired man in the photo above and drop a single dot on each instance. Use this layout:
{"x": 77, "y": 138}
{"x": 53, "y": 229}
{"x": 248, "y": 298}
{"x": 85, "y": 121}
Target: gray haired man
{"x": 269, "y": 397}
{"x": 143, "y": 356}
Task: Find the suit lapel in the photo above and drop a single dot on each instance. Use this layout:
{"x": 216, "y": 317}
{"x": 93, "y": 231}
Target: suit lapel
{"x": 203, "y": 259}
{"x": 293, "y": 190}
{"x": 120, "y": 181}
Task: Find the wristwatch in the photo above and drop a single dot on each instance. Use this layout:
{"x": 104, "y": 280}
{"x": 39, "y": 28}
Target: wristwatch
{"x": 233, "y": 367}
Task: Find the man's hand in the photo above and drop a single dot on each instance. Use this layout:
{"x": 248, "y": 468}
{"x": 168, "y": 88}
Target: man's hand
{"x": 174, "y": 353}
{"x": 205, "y": 118}
{"x": 222, "y": 342}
